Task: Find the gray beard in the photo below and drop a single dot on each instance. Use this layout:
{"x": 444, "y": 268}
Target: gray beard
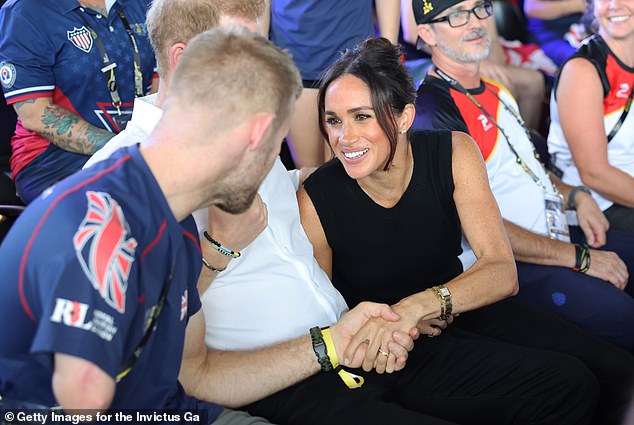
{"x": 465, "y": 57}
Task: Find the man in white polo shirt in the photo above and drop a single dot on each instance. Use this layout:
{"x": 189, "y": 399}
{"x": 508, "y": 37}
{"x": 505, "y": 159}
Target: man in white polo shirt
{"x": 275, "y": 267}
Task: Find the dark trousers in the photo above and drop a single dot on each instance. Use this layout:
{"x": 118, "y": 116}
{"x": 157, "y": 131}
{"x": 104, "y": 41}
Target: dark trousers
{"x": 620, "y": 218}
{"x": 487, "y": 368}
{"x": 591, "y": 303}
{"x": 514, "y": 322}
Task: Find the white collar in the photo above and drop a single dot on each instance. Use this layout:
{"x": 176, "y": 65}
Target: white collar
{"x": 146, "y": 114}
{"x": 109, "y": 4}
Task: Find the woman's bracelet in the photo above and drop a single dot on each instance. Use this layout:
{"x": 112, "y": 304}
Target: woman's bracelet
{"x": 220, "y": 247}
{"x": 582, "y": 258}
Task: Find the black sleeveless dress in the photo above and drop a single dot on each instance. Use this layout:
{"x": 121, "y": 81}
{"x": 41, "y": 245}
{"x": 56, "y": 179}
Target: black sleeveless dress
{"x": 385, "y": 254}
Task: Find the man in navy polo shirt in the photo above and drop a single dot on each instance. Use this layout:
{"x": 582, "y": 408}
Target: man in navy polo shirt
{"x": 104, "y": 264}
{"x": 71, "y": 69}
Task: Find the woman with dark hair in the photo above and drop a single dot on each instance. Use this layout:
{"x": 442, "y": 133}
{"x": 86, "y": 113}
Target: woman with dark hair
{"x": 591, "y": 137}
{"x": 385, "y": 220}
{"x": 435, "y": 179}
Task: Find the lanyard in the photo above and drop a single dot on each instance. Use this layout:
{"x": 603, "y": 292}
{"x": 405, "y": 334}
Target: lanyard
{"x": 108, "y": 66}
{"x": 456, "y": 85}
{"x": 618, "y": 125}
{"x": 150, "y": 327}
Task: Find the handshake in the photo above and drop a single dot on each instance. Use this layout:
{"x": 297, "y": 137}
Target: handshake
{"x": 380, "y": 337}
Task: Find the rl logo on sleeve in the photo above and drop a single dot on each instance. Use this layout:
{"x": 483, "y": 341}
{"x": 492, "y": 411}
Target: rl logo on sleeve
{"x": 104, "y": 248}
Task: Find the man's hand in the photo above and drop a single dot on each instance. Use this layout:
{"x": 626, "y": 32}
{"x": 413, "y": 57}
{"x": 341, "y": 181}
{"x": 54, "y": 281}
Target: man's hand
{"x": 608, "y": 266}
{"x": 591, "y": 220}
{"x": 237, "y": 231}
{"x": 353, "y": 346}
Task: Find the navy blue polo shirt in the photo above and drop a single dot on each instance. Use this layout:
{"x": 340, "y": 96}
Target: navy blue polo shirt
{"x": 83, "y": 268}
{"x": 47, "y": 51}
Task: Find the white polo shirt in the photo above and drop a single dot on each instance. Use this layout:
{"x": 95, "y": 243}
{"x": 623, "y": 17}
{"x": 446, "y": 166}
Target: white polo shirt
{"x": 275, "y": 291}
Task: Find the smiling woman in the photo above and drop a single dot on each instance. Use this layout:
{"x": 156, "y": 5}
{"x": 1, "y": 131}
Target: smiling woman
{"x": 590, "y": 137}
{"x": 385, "y": 220}
{"x": 356, "y": 134}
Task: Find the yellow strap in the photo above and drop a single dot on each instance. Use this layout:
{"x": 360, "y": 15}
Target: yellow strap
{"x": 350, "y": 379}
{"x": 330, "y": 347}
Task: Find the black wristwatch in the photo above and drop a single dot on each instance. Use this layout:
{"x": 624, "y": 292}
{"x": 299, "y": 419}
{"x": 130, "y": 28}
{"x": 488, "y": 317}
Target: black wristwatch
{"x": 319, "y": 346}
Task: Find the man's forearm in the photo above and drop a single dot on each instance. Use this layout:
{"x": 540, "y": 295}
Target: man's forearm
{"x": 69, "y": 132}
{"x": 61, "y": 127}
{"x": 236, "y": 378}
{"x": 388, "y": 16}
{"x": 529, "y": 247}
{"x": 541, "y": 9}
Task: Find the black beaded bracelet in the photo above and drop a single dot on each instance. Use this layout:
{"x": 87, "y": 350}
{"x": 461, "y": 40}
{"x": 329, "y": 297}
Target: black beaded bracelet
{"x": 220, "y": 247}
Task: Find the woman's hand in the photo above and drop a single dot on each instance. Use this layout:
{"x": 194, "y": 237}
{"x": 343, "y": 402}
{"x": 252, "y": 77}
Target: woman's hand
{"x": 347, "y": 341}
{"x": 433, "y": 327}
{"x": 381, "y": 337}
{"x": 591, "y": 220}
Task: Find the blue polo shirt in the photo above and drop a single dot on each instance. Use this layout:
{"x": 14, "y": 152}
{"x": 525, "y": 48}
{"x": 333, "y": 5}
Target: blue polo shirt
{"x": 82, "y": 270}
{"x": 46, "y": 51}
{"x": 316, "y": 31}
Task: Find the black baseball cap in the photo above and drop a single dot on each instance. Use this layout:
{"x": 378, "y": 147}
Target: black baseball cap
{"x": 426, "y": 10}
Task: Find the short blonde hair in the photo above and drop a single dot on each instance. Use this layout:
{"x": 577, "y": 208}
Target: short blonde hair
{"x": 251, "y": 10}
{"x": 173, "y": 21}
{"x": 235, "y": 73}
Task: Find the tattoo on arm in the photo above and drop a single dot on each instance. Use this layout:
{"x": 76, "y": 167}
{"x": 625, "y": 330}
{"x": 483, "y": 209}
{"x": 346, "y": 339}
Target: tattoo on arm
{"x": 18, "y": 105}
{"x": 97, "y": 137}
{"x": 69, "y": 132}
{"x": 58, "y": 120}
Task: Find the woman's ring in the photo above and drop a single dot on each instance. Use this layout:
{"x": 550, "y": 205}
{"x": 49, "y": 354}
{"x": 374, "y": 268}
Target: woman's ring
{"x": 383, "y": 352}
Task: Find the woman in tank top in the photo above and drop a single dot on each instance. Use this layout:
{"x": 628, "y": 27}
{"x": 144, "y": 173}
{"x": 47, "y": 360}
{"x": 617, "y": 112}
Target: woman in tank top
{"x": 386, "y": 219}
{"x": 591, "y": 137}
{"x": 390, "y": 207}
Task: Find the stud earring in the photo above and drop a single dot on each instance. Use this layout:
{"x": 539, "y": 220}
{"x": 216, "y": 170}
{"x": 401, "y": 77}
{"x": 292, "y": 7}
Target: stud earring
{"x": 403, "y": 131}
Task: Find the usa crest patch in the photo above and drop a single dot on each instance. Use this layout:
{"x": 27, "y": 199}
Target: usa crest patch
{"x": 7, "y": 75}
{"x": 104, "y": 248}
{"x": 81, "y": 38}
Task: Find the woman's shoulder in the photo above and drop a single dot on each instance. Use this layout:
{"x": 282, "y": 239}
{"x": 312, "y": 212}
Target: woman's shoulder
{"x": 431, "y": 136}
{"x": 331, "y": 171}
{"x": 431, "y": 141}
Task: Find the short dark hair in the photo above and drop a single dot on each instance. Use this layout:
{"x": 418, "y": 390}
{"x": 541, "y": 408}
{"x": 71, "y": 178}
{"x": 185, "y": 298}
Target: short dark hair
{"x": 376, "y": 62}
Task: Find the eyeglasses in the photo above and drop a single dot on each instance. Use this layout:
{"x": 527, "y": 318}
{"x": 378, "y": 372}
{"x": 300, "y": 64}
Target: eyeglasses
{"x": 461, "y": 17}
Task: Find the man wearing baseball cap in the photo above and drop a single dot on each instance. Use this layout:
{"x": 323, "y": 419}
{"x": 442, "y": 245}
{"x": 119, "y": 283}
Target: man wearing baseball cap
{"x": 577, "y": 272}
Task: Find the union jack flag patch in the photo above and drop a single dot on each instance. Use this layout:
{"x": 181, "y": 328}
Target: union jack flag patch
{"x": 104, "y": 248}
{"x": 81, "y": 38}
